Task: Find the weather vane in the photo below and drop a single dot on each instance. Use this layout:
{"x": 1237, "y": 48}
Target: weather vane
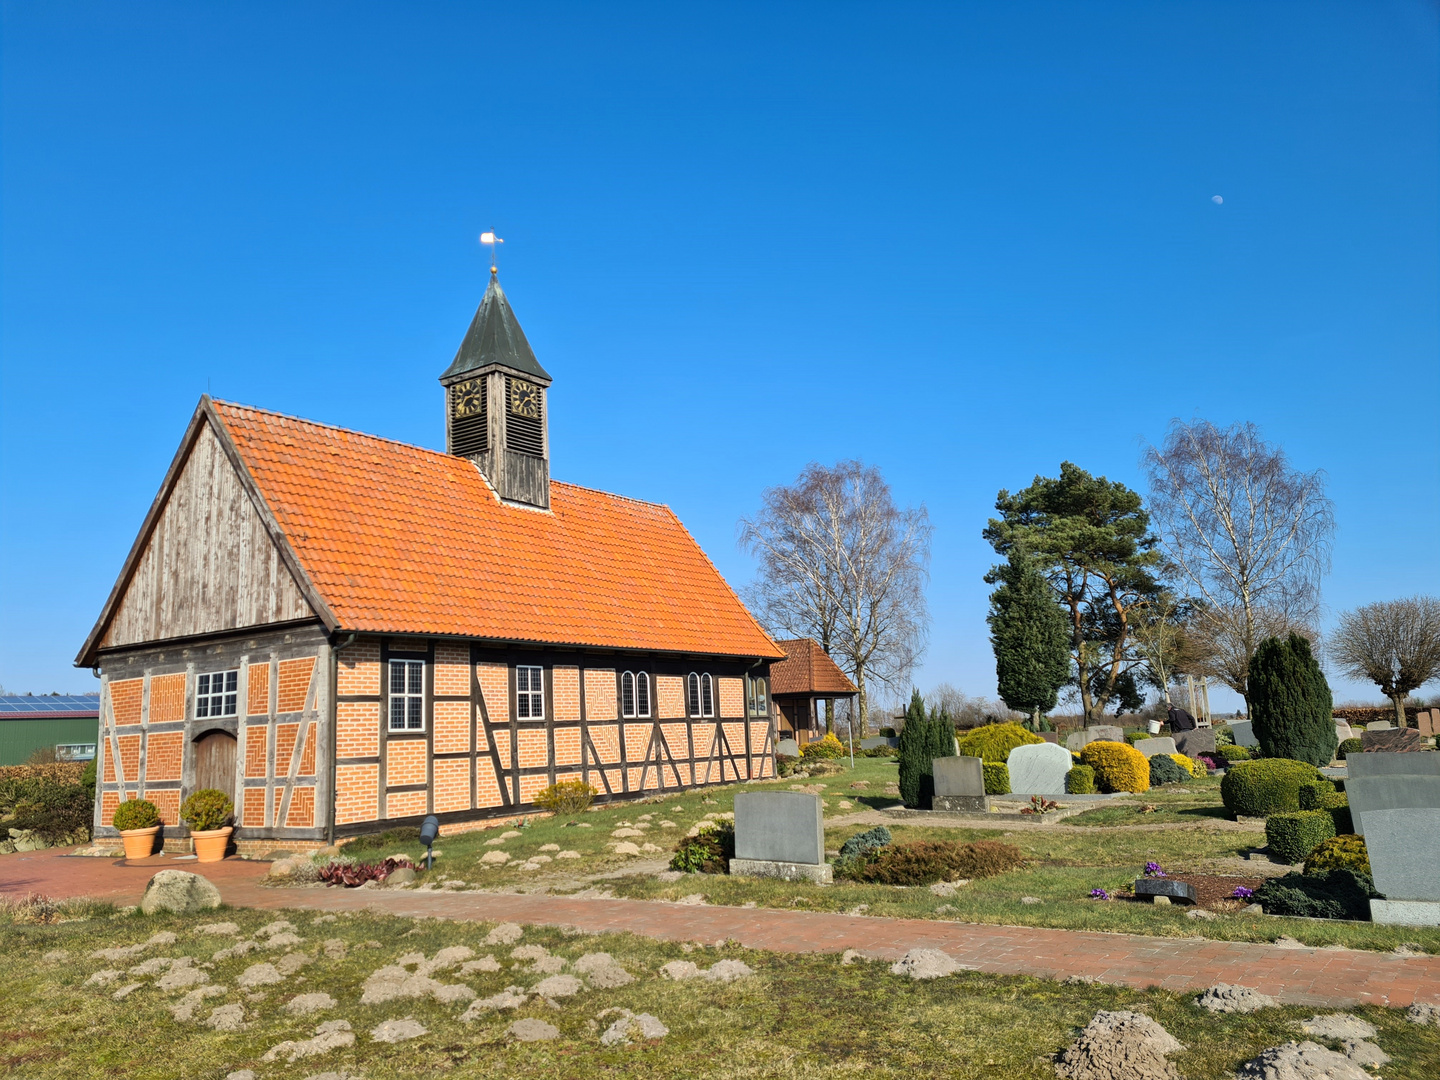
{"x": 492, "y": 240}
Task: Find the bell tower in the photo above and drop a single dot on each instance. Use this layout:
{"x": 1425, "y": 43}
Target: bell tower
{"x": 495, "y": 403}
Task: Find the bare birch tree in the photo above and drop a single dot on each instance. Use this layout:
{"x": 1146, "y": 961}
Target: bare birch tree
{"x": 841, "y": 563}
{"x": 1249, "y": 533}
{"x": 1394, "y": 644}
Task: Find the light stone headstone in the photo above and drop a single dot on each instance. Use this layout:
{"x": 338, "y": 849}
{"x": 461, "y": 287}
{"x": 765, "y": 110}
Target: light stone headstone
{"x": 1078, "y": 740}
{"x": 1343, "y": 730}
{"x": 1151, "y": 747}
{"x": 780, "y": 834}
{"x": 959, "y": 785}
{"x": 789, "y": 747}
{"x": 1379, "y": 781}
{"x": 1379, "y": 725}
{"x": 1243, "y": 732}
{"x": 1425, "y": 724}
{"x": 1039, "y": 769}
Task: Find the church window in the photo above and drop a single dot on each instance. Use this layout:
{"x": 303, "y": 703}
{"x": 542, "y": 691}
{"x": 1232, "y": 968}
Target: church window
{"x": 635, "y": 695}
{"x": 407, "y": 695}
{"x": 700, "y": 694}
{"x": 530, "y": 693}
{"x": 216, "y": 693}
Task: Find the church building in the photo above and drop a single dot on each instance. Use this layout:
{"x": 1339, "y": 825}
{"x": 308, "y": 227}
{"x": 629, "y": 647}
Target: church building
{"x": 349, "y": 633}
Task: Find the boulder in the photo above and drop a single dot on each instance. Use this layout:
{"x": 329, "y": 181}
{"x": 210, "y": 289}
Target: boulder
{"x": 179, "y": 893}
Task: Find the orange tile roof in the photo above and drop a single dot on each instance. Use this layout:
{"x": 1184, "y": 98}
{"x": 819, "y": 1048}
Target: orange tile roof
{"x": 400, "y": 539}
{"x": 808, "y": 669}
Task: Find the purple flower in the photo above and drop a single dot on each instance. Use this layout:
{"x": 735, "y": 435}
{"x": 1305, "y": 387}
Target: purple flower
{"x": 1242, "y": 893}
{"x": 1152, "y": 869}
{"x": 1099, "y": 894}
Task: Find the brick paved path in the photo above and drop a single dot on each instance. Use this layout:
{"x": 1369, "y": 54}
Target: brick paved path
{"x": 1320, "y": 977}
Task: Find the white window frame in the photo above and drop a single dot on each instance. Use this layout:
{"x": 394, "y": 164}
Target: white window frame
{"x": 700, "y": 696}
{"x": 757, "y": 695}
{"x": 707, "y": 695}
{"x": 634, "y": 695}
{"x": 410, "y": 700}
{"x": 529, "y": 692}
{"x": 210, "y": 703}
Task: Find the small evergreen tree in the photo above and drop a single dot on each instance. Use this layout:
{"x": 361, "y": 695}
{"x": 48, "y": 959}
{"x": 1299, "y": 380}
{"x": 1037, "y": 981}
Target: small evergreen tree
{"x": 1030, "y": 637}
{"x": 916, "y": 780}
{"x": 942, "y": 736}
{"x": 1290, "y": 702}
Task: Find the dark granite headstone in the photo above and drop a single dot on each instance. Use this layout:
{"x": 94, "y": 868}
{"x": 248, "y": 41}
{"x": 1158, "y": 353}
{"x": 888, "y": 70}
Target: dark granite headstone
{"x": 1194, "y": 743}
{"x": 1159, "y": 886}
{"x": 1393, "y": 741}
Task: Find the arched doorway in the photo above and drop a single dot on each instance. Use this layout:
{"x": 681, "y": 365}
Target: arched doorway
{"x": 215, "y": 761}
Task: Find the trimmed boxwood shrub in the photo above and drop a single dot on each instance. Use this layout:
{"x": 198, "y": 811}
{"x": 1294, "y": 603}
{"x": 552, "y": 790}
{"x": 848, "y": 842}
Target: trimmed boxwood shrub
{"x": 993, "y": 742}
{"x": 1118, "y": 766}
{"x": 924, "y": 862}
{"x": 136, "y": 814}
{"x": 1308, "y": 794}
{"x": 208, "y": 809}
{"x": 1341, "y": 851}
{"x": 1164, "y": 771}
{"x": 1334, "y": 894}
{"x": 997, "y": 778}
{"x": 1262, "y": 788}
{"x": 1080, "y": 780}
{"x": 1293, "y": 837}
{"x": 1232, "y": 753}
{"x": 1349, "y": 746}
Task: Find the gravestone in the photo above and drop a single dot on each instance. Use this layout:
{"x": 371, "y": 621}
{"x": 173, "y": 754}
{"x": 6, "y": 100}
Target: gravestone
{"x": 1379, "y": 725}
{"x": 1404, "y": 850}
{"x": 1078, "y": 740}
{"x": 1392, "y": 741}
{"x": 790, "y": 748}
{"x": 1194, "y": 743}
{"x": 1159, "y": 886}
{"x": 876, "y": 741}
{"x": 1343, "y": 730}
{"x": 1151, "y": 747}
{"x": 1383, "y": 781}
{"x": 1039, "y": 769}
{"x": 1243, "y": 732}
{"x": 780, "y": 834}
{"x": 959, "y": 785}
{"x": 1049, "y": 736}
{"x": 1425, "y": 724}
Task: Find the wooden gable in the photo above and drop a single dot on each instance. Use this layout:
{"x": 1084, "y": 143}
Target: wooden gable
{"x": 208, "y": 559}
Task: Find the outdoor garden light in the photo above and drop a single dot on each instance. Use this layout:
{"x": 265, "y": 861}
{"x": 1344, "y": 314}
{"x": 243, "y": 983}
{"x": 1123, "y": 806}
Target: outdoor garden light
{"x": 429, "y": 829}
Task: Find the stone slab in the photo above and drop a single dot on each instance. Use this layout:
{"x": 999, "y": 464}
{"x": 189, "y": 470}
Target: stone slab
{"x": 1151, "y": 747}
{"x": 1193, "y": 743}
{"x": 876, "y": 741}
{"x": 1392, "y": 741}
{"x": 1159, "y": 886}
{"x": 780, "y": 826}
{"x": 1379, "y": 725}
{"x": 1343, "y": 730}
{"x": 1374, "y": 766}
{"x": 1243, "y": 732}
{"x": 1390, "y": 782}
{"x": 1405, "y": 912}
{"x": 790, "y": 748}
{"x": 1039, "y": 769}
{"x": 1404, "y": 849}
{"x": 1050, "y": 736}
{"x": 959, "y": 775}
{"x": 1078, "y": 740}
{"x": 821, "y": 874}
{"x": 961, "y": 804}
{"x": 1425, "y": 724}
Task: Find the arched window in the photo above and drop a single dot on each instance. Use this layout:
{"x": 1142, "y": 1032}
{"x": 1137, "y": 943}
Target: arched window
{"x": 757, "y": 697}
{"x": 634, "y": 695}
{"x": 692, "y": 694}
{"x": 707, "y": 695}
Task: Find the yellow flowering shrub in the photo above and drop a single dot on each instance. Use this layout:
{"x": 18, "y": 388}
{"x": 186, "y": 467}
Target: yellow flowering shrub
{"x": 1193, "y": 767}
{"x": 1118, "y": 766}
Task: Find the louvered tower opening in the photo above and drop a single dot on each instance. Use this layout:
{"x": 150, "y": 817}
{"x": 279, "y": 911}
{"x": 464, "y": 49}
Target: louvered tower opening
{"x": 469, "y": 418}
{"x": 525, "y": 420}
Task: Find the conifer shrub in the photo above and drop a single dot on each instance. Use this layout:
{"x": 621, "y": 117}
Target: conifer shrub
{"x": 997, "y": 778}
{"x": 1118, "y": 766}
{"x": 1262, "y": 788}
{"x": 1165, "y": 771}
{"x": 924, "y": 862}
{"x": 1191, "y": 766}
{"x": 566, "y": 798}
{"x": 136, "y": 814}
{"x": 1080, "y": 780}
{"x": 1349, "y": 746}
{"x": 828, "y": 748}
{"x": 1293, "y": 836}
{"x": 1333, "y": 894}
{"x": 993, "y": 742}
{"x": 917, "y": 779}
{"x": 1290, "y": 702}
{"x": 866, "y": 841}
{"x": 1345, "y": 851}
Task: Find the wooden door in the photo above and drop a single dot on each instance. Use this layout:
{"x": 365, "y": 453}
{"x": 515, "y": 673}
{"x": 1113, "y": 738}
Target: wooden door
{"x": 215, "y": 762}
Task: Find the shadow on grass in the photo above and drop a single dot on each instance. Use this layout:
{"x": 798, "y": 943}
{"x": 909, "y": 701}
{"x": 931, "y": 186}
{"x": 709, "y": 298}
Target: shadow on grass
{"x": 877, "y": 802}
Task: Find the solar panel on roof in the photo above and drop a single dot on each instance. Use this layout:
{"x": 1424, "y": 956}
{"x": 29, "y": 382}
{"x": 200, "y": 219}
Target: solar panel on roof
{"x": 15, "y": 705}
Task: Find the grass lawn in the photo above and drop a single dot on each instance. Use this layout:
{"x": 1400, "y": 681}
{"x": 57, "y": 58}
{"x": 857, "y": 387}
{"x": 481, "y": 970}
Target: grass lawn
{"x": 1184, "y": 832}
{"x": 795, "y": 1016}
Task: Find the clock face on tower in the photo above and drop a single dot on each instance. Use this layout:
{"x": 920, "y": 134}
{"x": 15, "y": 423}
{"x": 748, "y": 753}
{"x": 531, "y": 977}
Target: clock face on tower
{"x": 468, "y": 399}
{"x": 524, "y": 399}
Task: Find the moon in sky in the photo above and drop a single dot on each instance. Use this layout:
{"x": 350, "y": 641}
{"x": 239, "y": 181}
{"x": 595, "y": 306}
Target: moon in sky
{"x": 1216, "y": 199}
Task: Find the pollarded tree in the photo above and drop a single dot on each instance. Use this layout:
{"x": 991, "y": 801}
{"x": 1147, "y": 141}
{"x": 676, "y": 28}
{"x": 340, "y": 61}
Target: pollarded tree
{"x": 1290, "y": 702}
{"x": 1395, "y": 644}
{"x": 1028, "y": 634}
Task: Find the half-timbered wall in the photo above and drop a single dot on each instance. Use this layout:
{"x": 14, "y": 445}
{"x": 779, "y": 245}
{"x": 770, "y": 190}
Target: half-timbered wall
{"x": 149, "y": 731}
{"x": 477, "y": 757}
{"x": 209, "y": 564}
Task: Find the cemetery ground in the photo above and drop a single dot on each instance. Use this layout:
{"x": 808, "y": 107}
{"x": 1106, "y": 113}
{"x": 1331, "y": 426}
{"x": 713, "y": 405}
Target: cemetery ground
{"x": 187, "y": 997}
{"x": 622, "y": 851}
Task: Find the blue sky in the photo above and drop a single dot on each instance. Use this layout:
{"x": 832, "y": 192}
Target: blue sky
{"x": 963, "y": 242}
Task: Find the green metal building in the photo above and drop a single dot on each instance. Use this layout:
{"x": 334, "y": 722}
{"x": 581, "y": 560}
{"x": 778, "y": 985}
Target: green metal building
{"x": 69, "y": 723}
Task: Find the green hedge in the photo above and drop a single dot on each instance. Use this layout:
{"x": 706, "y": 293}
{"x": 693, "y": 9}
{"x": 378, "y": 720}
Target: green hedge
{"x": 1293, "y": 837}
{"x": 1080, "y": 780}
{"x": 1349, "y": 746}
{"x": 997, "y": 778}
{"x": 1233, "y": 753}
{"x": 1262, "y": 788}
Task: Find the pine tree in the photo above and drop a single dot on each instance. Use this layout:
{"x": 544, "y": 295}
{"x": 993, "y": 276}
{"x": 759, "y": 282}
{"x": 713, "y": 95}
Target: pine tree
{"x": 1290, "y": 702}
{"x": 915, "y": 755}
{"x": 1030, "y": 638}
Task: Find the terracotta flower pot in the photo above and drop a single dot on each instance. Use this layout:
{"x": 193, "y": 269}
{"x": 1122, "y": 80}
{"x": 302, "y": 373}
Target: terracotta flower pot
{"x": 139, "y": 843}
{"x": 210, "y": 845}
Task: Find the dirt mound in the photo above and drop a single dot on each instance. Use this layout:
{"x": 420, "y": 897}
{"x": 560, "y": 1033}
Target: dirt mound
{"x": 1301, "y": 1061}
{"x": 926, "y": 964}
{"x": 1226, "y": 998}
{"x": 1120, "y": 1046}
